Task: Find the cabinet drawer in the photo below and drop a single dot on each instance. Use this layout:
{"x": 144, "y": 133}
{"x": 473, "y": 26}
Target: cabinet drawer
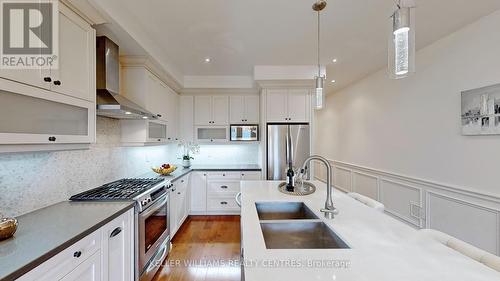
{"x": 67, "y": 260}
{"x": 215, "y": 187}
{"x": 224, "y": 175}
{"x": 222, "y": 204}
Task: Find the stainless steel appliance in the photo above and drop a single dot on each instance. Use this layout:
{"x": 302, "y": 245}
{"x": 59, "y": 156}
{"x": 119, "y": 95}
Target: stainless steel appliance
{"x": 286, "y": 143}
{"x": 244, "y": 132}
{"x": 152, "y": 240}
{"x": 109, "y": 101}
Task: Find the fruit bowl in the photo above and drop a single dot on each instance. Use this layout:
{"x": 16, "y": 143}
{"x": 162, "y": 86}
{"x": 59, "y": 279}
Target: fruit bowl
{"x": 164, "y": 170}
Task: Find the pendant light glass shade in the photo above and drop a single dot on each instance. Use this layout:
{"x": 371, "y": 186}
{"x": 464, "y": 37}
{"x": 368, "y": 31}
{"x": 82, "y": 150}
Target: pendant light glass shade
{"x": 401, "y": 55}
{"x": 320, "y": 95}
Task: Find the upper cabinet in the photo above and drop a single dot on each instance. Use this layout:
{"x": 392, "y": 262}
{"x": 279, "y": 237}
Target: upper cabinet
{"x": 288, "y": 105}
{"x": 211, "y": 110}
{"x": 186, "y": 118}
{"x": 52, "y": 106}
{"x": 244, "y": 109}
{"x": 76, "y": 63}
{"x": 145, "y": 89}
{"x": 75, "y": 76}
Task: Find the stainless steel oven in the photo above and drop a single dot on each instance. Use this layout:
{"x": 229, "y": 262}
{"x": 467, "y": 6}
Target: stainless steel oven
{"x": 153, "y": 228}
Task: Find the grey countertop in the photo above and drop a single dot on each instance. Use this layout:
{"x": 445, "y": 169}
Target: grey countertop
{"x": 45, "y": 232}
{"x": 180, "y": 172}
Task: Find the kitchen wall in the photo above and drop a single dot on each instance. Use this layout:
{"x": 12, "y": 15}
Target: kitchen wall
{"x": 412, "y": 127}
{"x": 30, "y": 181}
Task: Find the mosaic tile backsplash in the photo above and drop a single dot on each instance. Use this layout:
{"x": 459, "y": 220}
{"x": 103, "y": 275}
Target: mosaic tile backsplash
{"x": 29, "y": 181}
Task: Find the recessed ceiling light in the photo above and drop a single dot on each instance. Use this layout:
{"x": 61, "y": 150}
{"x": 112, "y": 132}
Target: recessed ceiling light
{"x": 333, "y": 81}
{"x": 334, "y": 60}
{"x": 207, "y": 60}
{"x": 128, "y": 112}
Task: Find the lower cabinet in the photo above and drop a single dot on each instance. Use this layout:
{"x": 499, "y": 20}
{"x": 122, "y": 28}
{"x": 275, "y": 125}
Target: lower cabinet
{"x": 106, "y": 254}
{"x": 178, "y": 204}
{"x": 215, "y": 193}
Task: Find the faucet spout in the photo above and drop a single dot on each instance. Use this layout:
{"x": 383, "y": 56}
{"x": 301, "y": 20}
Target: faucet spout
{"x": 329, "y": 210}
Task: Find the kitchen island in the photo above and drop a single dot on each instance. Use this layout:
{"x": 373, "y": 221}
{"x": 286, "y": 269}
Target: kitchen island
{"x": 380, "y": 247}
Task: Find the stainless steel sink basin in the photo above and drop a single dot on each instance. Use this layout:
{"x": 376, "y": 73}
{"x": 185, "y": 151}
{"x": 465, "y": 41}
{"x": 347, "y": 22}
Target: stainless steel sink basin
{"x": 283, "y": 211}
{"x": 301, "y": 235}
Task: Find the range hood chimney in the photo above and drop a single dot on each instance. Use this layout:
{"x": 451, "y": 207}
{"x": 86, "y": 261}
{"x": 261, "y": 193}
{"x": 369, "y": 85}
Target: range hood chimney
{"x": 109, "y": 101}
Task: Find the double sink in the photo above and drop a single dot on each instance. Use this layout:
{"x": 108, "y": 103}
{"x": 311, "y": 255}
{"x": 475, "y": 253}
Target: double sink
{"x": 292, "y": 225}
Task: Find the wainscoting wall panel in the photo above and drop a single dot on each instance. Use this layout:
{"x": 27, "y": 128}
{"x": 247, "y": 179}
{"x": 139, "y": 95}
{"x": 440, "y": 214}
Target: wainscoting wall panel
{"x": 464, "y": 213}
{"x": 365, "y": 184}
{"x": 342, "y": 178}
{"x": 469, "y": 222}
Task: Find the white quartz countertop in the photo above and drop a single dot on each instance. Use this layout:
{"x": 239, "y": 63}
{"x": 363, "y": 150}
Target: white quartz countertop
{"x": 382, "y": 248}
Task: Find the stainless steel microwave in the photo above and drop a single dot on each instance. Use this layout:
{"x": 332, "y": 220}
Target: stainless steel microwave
{"x": 244, "y": 132}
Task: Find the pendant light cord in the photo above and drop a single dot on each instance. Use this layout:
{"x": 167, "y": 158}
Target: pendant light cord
{"x": 319, "y": 67}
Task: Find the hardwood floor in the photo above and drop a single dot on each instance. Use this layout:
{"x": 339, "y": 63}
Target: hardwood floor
{"x": 205, "y": 248}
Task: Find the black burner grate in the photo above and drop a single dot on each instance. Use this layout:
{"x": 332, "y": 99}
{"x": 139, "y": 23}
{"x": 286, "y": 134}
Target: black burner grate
{"x": 117, "y": 190}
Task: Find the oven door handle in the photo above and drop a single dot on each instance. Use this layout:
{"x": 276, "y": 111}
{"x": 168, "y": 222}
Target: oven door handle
{"x": 157, "y": 263}
{"x": 155, "y": 207}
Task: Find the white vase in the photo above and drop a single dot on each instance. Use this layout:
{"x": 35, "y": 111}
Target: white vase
{"x": 186, "y": 163}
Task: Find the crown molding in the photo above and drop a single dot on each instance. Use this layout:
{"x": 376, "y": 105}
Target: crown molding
{"x": 219, "y": 91}
{"x": 149, "y": 63}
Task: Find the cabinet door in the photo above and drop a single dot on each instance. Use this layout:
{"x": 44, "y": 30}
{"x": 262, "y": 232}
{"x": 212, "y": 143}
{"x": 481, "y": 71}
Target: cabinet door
{"x": 76, "y": 73}
{"x": 203, "y": 110}
{"x": 156, "y": 98}
{"x": 298, "y": 105}
{"x": 33, "y": 77}
{"x": 186, "y": 121}
{"x": 180, "y": 206}
{"x": 276, "y": 105}
{"x": 250, "y": 176}
{"x": 252, "y": 109}
{"x": 42, "y": 117}
{"x": 237, "y": 109}
{"x": 198, "y": 185}
{"x": 117, "y": 250}
{"x": 173, "y": 210}
{"x": 220, "y": 110}
{"x": 89, "y": 270}
{"x": 172, "y": 114}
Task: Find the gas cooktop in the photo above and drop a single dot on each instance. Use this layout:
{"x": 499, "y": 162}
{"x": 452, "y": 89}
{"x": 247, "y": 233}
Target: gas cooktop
{"x": 124, "y": 189}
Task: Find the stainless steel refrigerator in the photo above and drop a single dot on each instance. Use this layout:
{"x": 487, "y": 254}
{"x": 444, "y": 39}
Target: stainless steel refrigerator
{"x": 286, "y": 143}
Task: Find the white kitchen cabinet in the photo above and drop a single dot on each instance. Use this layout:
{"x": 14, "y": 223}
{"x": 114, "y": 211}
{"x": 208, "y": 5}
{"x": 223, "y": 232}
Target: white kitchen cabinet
{"x": 244, "y": 109}
{"x": 211, "y": 110}
{"x": 93, "y": 258}
{"x": 145, "y": 89}
{"x": 298, "y": 104}
{"x": 89, "y": 270}
{"x": 251, "y": 176}
{"x": 75, "y": 75}
{"x": 178, "y": 204}
{"x": 288, "y": 105}
{"x": 143, "y": 132}
{"x": 212, "y": 134}
{"x": 198, "y": 192}
{"x": 30, "y": 115}
{"x": 117, "y": 248}
{"x": 186, "y": 118}
{"x": 172, "y": 114}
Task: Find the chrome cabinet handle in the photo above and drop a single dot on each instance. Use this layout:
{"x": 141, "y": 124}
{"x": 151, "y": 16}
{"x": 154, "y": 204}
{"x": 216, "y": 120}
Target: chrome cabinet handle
{"x": 238, "y": 199}
{"x": 223, "y": 203}
{"x": 115, "y": 232}
{"x": 223, "y": 186}
{"x": 77, "y": 254}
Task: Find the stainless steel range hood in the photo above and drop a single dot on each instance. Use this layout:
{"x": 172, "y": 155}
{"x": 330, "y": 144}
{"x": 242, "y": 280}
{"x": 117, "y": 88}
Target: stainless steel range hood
{"x": 109, "y": 102}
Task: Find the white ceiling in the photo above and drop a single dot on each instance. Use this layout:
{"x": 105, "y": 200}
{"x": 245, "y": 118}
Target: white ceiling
{"x": 238, "y": 34}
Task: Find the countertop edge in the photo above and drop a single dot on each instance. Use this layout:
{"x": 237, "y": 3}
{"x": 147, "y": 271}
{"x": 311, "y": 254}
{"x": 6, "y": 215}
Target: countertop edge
{"x": 35, "y": 263}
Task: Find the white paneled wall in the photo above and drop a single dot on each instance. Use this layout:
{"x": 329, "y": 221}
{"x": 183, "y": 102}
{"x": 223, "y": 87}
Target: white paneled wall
{"x": 470, "y": 216}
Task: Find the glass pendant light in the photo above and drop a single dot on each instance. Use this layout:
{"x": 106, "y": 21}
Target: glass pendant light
{"x": 320, "y": 95}
{"x": 401, "y": 55}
